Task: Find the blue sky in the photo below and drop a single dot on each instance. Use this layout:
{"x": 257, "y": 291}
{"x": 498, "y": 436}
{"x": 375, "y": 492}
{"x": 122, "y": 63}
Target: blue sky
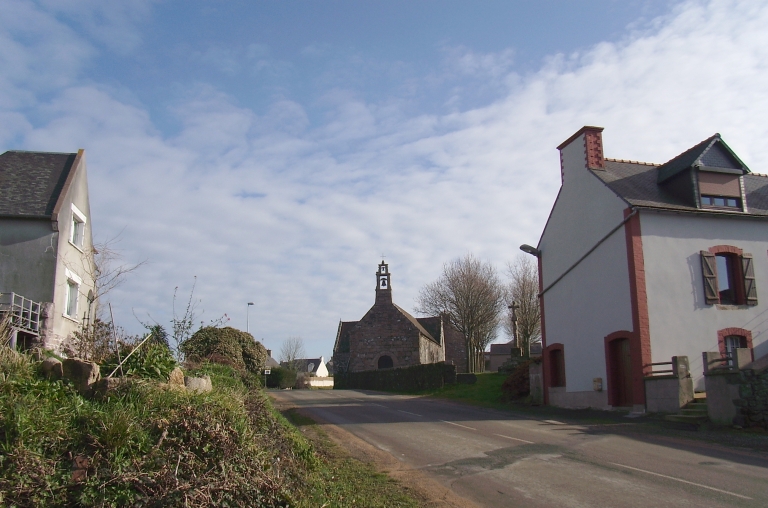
{"x": 275, "y": 150}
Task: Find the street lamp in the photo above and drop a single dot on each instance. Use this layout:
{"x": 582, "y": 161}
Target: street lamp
{"x": 247, "y": 320}
{"x": 533, "y": 251}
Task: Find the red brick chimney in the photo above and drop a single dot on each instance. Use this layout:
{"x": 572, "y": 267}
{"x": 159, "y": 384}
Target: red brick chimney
{"x": 592, "y": 139}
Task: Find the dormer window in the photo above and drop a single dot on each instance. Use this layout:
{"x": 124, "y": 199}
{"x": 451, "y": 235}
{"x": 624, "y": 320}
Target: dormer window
{"x": 721, "y": 202}
{"x": 720, "y": 189}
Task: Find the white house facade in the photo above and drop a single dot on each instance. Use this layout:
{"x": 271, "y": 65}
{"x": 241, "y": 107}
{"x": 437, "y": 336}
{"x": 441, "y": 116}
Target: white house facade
{"x": 46, "y": 246}
{"x": 641, "y": 262}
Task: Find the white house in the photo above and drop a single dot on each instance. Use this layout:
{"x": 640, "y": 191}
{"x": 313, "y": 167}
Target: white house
{"x": 640, "y": 262}
{"x": 46, "y": 250}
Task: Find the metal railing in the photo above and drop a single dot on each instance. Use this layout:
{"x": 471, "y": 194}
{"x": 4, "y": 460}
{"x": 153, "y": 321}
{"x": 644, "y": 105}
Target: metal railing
{"x": 24, "y": 313}
{"x": 678, "y": 366}
{"x": 665, "y": 371}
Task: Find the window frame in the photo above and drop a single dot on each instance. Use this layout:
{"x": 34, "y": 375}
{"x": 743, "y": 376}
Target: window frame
{"x": 73, "y": 284}
{"x": 741, "y": 276}
{"x": 77, "y": 227}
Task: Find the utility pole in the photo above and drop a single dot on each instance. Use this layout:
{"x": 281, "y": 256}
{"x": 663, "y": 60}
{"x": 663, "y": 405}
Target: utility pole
{"x": 247, "y": 316}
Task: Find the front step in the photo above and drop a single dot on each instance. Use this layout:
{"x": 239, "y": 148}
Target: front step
{"x": 695, "y": 412}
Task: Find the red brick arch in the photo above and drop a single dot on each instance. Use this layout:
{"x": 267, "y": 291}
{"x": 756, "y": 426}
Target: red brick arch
{"x": 722, "y": 334}
{"x": 726, "y": 249}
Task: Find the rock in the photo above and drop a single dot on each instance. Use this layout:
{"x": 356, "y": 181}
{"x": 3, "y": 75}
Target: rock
{"x": 176, "y": 377}
{"x": 198, "y": 384}
{"x": 52, "y": 368}
{"x": 104, "y": 387}
{"x": 81, "y": 373}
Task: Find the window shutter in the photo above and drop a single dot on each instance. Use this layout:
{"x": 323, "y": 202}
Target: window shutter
{"x": 748, "y": 269}
{"x": 709, "y": 271}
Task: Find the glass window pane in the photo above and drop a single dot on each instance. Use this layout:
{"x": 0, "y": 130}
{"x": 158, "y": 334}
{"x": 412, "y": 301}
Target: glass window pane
{"x": 723, "y": 267}
{"x": 719, "y": 201}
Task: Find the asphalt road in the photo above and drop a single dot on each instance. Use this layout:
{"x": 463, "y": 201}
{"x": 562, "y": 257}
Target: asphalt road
{"x": 497, "y": 459}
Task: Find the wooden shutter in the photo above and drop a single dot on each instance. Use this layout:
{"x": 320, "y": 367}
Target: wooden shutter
{"x": 709, "y": 271}
{"x": 748, "y": 269}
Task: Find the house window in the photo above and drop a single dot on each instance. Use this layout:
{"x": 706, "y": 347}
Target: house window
{"x": 729, "y": 276}
{"x": 726, "y": 278}
{"x": 73, "y": 291}
{"x": 721, "y": 202}
{"x": 733, "y": 342}
{"x": 77, "y": 229}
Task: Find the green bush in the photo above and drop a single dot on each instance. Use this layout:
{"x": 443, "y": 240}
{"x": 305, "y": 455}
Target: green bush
{"x": 152, "y": 360}
{"x": 226, "y": 345}
{"x": 518, "y": 384}
{"x": 144, "y": 446}
{"x": 280, "y": 377}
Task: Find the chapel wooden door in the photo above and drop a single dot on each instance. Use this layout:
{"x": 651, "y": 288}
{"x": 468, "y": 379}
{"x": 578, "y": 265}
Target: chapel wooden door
{"x": 621, "y": 372}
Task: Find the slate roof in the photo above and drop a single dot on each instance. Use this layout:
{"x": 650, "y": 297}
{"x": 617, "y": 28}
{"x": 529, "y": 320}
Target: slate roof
{"x": 31, "y": 182}
{"x": 637, "y": 184}
{"x": 308, "y": 364}
{"x": 417, "y": 324}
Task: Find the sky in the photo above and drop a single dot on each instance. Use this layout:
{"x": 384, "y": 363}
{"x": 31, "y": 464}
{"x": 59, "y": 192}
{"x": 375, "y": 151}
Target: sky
{"x": 275, "y": 152}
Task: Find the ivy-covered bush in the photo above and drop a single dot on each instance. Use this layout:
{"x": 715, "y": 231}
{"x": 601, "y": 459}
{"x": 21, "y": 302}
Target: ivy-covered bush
{"x": 518, "y": 383}
{"x": 280, "y": 377}
{"x": 225, "y": 345}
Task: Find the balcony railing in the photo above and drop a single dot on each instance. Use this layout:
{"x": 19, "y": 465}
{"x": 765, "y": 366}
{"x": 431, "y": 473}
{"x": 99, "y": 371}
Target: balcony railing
{"x": 24, "y": 313}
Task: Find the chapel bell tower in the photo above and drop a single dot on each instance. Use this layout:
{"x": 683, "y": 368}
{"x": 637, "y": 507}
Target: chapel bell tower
{"x": 383, "y": 282}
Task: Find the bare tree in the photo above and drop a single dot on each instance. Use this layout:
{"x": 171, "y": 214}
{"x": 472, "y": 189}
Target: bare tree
{"x": 523, "y": 290}
{"x": 292, "y": 350}
{"x": 470, "y": 293}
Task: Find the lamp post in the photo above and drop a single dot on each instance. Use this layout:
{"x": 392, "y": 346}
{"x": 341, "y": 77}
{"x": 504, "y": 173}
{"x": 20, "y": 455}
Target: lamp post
{"x": 247, "y": 316}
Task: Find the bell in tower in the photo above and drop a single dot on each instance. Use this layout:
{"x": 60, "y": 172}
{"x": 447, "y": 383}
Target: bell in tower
{"x": 382, "y": 277}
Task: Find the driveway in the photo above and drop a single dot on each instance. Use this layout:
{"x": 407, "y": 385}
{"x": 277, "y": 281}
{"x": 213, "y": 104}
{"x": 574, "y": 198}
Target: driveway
{"x": 497, "y": 458}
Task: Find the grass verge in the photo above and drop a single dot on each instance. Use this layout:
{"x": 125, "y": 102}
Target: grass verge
{"x": 148, "y": 445}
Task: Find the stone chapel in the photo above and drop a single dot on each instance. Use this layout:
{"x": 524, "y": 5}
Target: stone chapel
{"x": 389, "y": 337}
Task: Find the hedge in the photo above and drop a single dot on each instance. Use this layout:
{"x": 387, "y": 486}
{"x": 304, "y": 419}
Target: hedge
{"x": 431, "y": 376}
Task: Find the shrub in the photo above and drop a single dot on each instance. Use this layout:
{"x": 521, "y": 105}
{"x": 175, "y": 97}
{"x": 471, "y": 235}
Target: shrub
{"x": 280, "y": 377}
{"x": 152, "y": 360}
{"x": 238, "y": 349}
{"x": 518, "y": 384}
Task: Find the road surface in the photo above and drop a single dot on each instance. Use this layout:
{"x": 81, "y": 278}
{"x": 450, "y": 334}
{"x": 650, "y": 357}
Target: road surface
{"x": 498, "y": 459}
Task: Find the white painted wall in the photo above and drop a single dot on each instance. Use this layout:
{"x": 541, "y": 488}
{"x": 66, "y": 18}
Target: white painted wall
{"x": 681, "y": 323}
{"x": 593, "y": 300}
{"x": 69, "y": 257}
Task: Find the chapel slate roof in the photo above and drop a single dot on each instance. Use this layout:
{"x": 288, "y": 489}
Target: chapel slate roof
{"x": 31, "y": 182}
{"x": 417, "y": 324}
{"x": 637, "y": 184}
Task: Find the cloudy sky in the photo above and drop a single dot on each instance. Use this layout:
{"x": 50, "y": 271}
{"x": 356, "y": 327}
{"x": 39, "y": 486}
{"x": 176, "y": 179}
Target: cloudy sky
{"x": 276, "y": 150}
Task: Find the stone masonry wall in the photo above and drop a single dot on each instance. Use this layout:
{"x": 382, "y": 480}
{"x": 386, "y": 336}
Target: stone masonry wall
{"x": 753, "y": 401}
{"x": 455, "y": 347}
{"x": 384, "y": 330}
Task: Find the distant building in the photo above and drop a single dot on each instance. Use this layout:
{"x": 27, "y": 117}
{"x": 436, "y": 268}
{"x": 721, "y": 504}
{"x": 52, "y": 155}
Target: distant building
{"x": 641, "y": 262}
{"x": 311, "y": 366}
{"x": 389, "y": 337}
{"x": 46, "y": 249}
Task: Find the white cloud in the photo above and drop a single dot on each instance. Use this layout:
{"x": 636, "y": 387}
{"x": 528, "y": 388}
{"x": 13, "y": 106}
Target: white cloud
{"x": 265, "y": 207}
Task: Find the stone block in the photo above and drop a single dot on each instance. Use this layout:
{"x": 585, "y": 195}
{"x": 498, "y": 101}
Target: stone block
{"x": 105, "y": 387}
{"x": 52, "y": 368}
{"x": 176, "y": 377}
{"x": 81, "y": 373}
{"x": 198, "y": 384}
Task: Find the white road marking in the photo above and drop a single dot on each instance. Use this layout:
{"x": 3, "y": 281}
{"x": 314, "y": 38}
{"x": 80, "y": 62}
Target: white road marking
{"x": 681, "y": 480}
{"x": 408, "y": 413}
{"x": 374, "y": 404}
{"x": 554, "y": 422}
{"x": 458, "y": 425}
{"x": 514, "y": 438}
